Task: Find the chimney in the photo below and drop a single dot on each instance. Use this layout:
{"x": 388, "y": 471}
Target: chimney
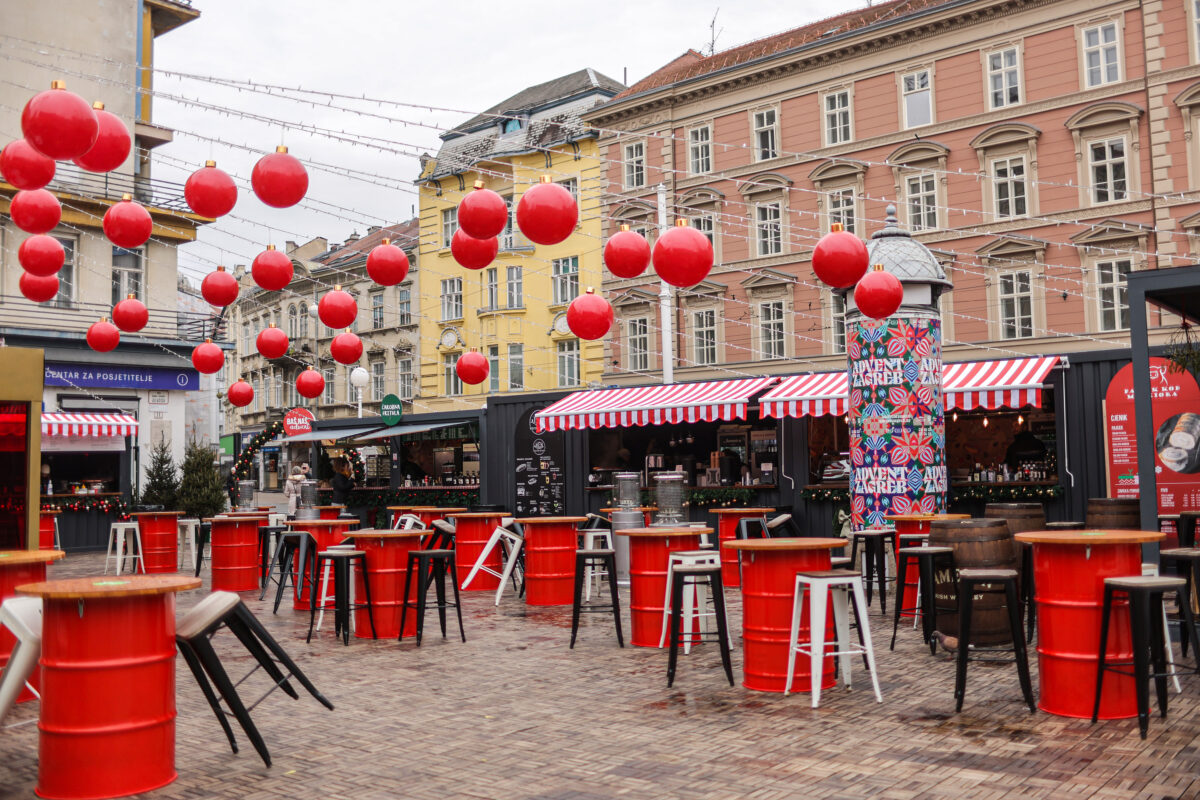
{"x": 289, "y": 246}
{"x": 372, "y": 229}
{"x": 351, "y": 239}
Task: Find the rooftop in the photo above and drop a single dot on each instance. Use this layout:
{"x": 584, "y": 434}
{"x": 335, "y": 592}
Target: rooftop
{"x": 404, "y": 235}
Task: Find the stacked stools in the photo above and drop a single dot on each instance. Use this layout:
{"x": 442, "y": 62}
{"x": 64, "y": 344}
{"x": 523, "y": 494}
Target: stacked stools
{"x": 589, "y": 562}
{"x": 686, "y": 578}
{"x": 874, "y": 541}
{"x": 818, "y": 586}
{"x": 1145, "y": 595}
{"x": 928, "y": 559}
{"x": 343, "y": 561}
{"x": 984, "y": 582}
{"x": 430, "y": 566}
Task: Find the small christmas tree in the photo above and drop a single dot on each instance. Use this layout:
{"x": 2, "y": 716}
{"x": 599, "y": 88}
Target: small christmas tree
{"x": 201, "y": 491}
{"x": 162, "y": 479}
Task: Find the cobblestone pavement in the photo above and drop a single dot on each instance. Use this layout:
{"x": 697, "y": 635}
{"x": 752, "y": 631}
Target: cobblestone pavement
{"x": 514, "y": 713}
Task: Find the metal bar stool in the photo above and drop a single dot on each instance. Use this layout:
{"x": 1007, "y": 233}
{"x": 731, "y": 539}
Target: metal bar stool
{"x": 681, "y": 577}
{"x": 587, "y": 563}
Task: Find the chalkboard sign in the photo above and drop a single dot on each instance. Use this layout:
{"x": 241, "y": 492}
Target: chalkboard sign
{"x": 540, "y": 469}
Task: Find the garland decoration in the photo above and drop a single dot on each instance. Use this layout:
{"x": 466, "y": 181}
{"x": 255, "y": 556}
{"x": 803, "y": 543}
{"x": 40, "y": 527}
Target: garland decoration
{"x": 103, "y": 505}
{"x": 355, "y": 458}
{"x": 245, "y": 459}
{"x": 999, "y": 492}
{"x": 701, "y": 498}
{"x": 377, "y": 500}
{"x": 832, "y": 494}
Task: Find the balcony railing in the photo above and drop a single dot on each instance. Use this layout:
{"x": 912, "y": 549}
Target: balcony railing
{"x": 188, "y": 326}
{"x": 147, "y": 191}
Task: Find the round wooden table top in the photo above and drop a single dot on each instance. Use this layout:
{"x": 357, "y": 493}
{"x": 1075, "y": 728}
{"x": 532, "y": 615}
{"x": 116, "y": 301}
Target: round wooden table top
{"x": 9, "y": 557}
{"x": 477, "y": 514}
{"x": 643, "y": 509}
{"x": 1090, "y": 537}
{"x": 50, "y": 511}
{"x": 756, "y": 511}
{"x": 550, "y": 520}
{"x": 244, "y": 513}
{"x": 443, "y": 509}
{"x": 238, "y": 518}
{"x": 328, "y": 508}
{"x": 401, "y": 508}
{"x": 109, "y": 586}
{"x": 157, "y": 513}
{"x": 675, "y": 531}
{"x": 329, "y": 523}
{"x": 386, "y": 533}
{"x": 924, "y": 517}
{"x": 792, "y": 543}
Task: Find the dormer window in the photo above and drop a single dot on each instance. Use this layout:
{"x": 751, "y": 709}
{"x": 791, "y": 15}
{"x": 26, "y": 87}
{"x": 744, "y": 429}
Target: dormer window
{"x": 512, "y": 125}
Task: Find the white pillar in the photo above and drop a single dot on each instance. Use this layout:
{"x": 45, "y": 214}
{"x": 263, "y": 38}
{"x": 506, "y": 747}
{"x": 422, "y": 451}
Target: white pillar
{"x": 665, "y": 306}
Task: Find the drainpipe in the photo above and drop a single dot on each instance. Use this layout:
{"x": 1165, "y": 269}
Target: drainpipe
{"x": 665, "y": 306}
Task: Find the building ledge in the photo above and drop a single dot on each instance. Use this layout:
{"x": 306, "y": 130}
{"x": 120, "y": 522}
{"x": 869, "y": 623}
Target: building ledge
{"x": 150, "y": 135}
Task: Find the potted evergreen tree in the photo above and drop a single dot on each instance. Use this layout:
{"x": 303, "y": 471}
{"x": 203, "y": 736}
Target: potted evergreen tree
{"x": 201, "y": 491}
{"x": 161, "y": 489}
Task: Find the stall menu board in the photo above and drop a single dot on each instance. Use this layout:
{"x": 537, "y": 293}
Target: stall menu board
{"x": 1175, "y": 403}
{"x": 540, "y": 469}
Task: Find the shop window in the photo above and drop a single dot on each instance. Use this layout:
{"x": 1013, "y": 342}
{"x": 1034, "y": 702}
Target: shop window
{"x": 1106, "y": 159}
{"x": 921, "y": 200}
{"x": 837, "y": 117}
{"x": 493, "y": 357}
{"x": 1101, "y": 55}
{"x": 700, "y": 150}
{"x": 768, "y": 228}
{"x": 452, "y": 384}
{"x": 514, "y": 287}
{"x": 566, "y": 279}
{"x": 404, "y": 306}
{"x": 491, "y": 289}
{"x": 766, "y": 134}
{"x": 405, "y": 367}
{"x": 568, "y": 362}
{"x": 1113, "y": 294}
{"x": 771, "y": 329}
{"x": 516, "y": 367}
{"x": 917, "y": 91}
{"x": 704, "y": 337}
{"x": 1008, "y": 183}
{"x": 128, "y": 273}
{"x": 1016, "y": 304}
{"x": 449, "y": 224}
{"x": 635, "y": 165}
{"x": 452, "y": 299}
{"x": 637, "y": 339}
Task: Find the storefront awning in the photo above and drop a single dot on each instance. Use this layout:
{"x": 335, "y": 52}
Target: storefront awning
{"x": 401, "y": 430}
{"x": 76, "y": 424}
{"x": 652, "y": 405}
{"x": 336, "y": 434}
{"x": 806, "y": 395}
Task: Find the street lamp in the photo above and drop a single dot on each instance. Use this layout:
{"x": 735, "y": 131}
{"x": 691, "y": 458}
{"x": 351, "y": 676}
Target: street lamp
{"x": 359, "y": 378}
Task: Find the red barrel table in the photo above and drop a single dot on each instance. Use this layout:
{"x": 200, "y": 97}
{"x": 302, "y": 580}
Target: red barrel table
{"x": 428, "y": 514}
{"x": 160, "y": 539}
{"x": 913, "y": 523}
{"x": 727, "y": 522}
{"x": 472, "y": 529}
{"x": 649, "y": 555}
{"x": 1069, "y": 568}
{"x": 46, "y": 527}
{"x": 769, "y": 568}
{"x": 387, "y": 567}
{"x": 107, "y": 726}
{"x": 329, "y": 512}
{"x": 236, "y": 562}
{"x": 647, "y": 512}
{"x": 550, "y": 545}
{"x": 18, "y": 567}
{"x": 327, "y": 532}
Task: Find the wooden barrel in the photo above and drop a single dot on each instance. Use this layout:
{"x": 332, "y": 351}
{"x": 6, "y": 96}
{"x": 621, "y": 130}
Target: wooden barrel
{"x": 1108, "y": 513}
{"x": 1020, "y": 517}
{"x": 977, "y": 544}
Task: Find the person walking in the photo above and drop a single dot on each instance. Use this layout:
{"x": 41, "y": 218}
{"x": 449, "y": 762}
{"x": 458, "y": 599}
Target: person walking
{"x": 291, "y": 490}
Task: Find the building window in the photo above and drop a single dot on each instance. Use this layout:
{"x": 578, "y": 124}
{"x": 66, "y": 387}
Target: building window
{"x": 327, "y": 392}
{"x": 516, "y": 367}
{"x": 918, "y": 98}
{"x": 491, "y": 286}
{"x": 704, "y": 331}
{"x": 66, "y": 275}
{"x": 700, "y": 150}
{"x": 841, "y": 208}
{"x": 635, "y": 165}
{"x": 256, "y": 386}
{"x": 378, "y": 387}
{"x": 566, "y": 279}
{"x": 837, "y": 117}
{"x": 766, "y": 135}
{"x": 1008, "y": 180}
{"x": 127, "y": 274}
{"x": 770, "y": 318}
{"x": 452, "y": 384}
{"x": 572, "y": 186}
{"x": 245, "y": 339}
{"x": 288, "y": 396}
{"x": 1004, "y": 78}
{"x": 1101, "y": 55}
{"x": 302, "y": 311}
{"x": 1114, "y": 295}
{"x": 493, "y": 357}
{"x": 404, "y": 307}
{"x": 293, "y": 321}
{"x": 838, "y": 314}
{"x": 376, "y": 310}
{"x": 273, "y": 386}
{"x": 449, "y": 224}
{"x": 1107, "y": 160}
{"x": 1016, "y": 305}
{"x": 637, "y": 337}
{"x": 514, "y": 287}
{"x": 452, "y": 299}
{"x": 921, "y": 191}
{"x": 405, "y": 367}
{"x": 1196, "y": 23}
{"x": 706, "y": 225}
{"x": 768, "y": 228}
{"x": 512, "y": 125}
{"x": 568, "y": 362}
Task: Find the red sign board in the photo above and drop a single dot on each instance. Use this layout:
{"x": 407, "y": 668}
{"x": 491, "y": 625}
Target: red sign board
{"x": 1175, "y": 400}
{"x": 298, "y": 420}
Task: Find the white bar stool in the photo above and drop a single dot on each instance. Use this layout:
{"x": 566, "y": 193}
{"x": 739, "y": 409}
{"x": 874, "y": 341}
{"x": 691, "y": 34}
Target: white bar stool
{"x": 596, "y": 539}
{"x": 1152, "y": 570}
{"x": 189, "y": 532}
{"x": 23, "y": 617}
{"x": 407, "y": 522}
{"x": 818, "y": 585}
{"x": 118, "y": 533}
{"x": 277, "y": 520}
{"x": 511, "y": 545}
{"x": 695, "y": 597}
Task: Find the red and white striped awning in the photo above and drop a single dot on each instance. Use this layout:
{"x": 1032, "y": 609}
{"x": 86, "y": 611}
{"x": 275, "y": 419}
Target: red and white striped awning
{"x": 652, "y": 405}
{"x": 74, "y": 424}
{"x": 807, "y": 395}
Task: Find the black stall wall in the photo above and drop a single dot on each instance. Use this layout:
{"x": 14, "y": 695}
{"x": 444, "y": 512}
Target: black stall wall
{"x": 508, "y": 425}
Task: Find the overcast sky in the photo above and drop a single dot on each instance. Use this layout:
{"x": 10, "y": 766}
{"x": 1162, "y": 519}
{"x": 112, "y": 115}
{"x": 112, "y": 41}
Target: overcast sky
{"x": 456, "y": 54}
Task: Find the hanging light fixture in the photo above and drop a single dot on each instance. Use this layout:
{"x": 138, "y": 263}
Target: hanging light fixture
{"x": 1020, "y": 419}
{"x": 954, "y": 417}
{"x": 985, "y": 422}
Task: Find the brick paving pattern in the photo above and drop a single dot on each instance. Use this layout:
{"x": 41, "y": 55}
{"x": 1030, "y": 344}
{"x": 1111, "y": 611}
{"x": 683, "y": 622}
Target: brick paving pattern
{"x": 514, "y": 713}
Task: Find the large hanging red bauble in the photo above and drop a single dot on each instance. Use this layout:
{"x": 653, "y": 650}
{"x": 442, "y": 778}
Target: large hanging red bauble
{"x": 38, "y": 288}
{"x": 547, "y": 213}
{"x": 683, "y": 255}
{"x": 387, "y": 264}
{"x": 271, "y": 342}
{"x": 219, "y": 288}
{"x": 840, "y": 258}
{"x": 279, "y": 179}
{"x": 130, "y": 315}
{"x": 310, "y": 383}
{"x": 24, "y": 167}
{"x": 879, "y": 293}
{"x": 473, "y": 253}
{"x": 103, "y": 336}
{"x": 210, "y": 192}
{"x": 472, "y": 368}
{"x": 35, "y": 211}
{"x": 627, "y": 254}
{"x": 482, "y": 213}
{"x": 207, "y": 358}
{"x": 58, "y": 123}
{"x": 240, "y": 393}
{"x": 346, "y": 348}
{"x": 127, "y": 224}
{"x": 589, "y": 316}
{"x": 337, "y": 309}
{"x": 272, "y": 270}
{"x": 41, "y": 255}
{"x": 112, "y": 143}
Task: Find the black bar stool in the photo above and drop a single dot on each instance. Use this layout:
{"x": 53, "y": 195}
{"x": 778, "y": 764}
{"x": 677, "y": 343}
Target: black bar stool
{"x": 293, "y": 546}
{"x": 268, "y": 540}
{"x": 1187, "y": 565}
{"x": 431, "y": 566}
{"x": 927, "y": 559}
{"x": 343, "y": 563}
{"x": 682, "y": 576}
{"x": 203, "y": 535}
{"x": 605, "y": 560}
{"x": 874, "y": 541}
{"x": 982, "y": 581}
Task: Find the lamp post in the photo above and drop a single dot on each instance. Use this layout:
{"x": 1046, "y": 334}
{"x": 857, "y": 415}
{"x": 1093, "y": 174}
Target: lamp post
{"x": 359, "y": 378}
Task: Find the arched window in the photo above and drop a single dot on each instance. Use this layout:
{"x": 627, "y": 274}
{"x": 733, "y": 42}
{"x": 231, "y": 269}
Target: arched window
{"x": 293, "y": 322}
{"x": 302, "y": 312}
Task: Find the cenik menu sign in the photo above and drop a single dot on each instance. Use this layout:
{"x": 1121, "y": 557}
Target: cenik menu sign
{"x": 540, "y": 469}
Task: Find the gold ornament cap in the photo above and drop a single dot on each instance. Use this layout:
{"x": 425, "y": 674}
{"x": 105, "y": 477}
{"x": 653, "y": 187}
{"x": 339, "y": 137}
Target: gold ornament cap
{"x": 877, "y": 267}
{"x": 210, "y": 163}
{"x": 837, "y": 227}
{"x": 281, "y": 149}
{"x": 478, "y": 184}
{"x": 126, "y": 197}
{"x": 545, "y": 179}
{"x": 624, "y": 226}
{"x": 131, "y": 296}
{"x": 387, "y": 241}
{"x": 681, "y": 222}
{"x": 58, "y": 84}
{"x": 270, "y": 247}
{"x": 98, "y": 105}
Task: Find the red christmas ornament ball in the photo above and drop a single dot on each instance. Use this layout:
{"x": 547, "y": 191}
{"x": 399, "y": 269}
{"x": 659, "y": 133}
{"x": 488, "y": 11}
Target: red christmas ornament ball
{"x": 272, "y": 342}
{"x": 41, "y": 255}
{"x": 112, "y": 144}
{"x": 590, "y": 316}
{"x": 337, "y": 309}
{"x": 24, "y": 167}
{"x": 130, "y": 315}
{"x": 547, "y": 213}
{"x": 272, "y": 270}
{"x": 482, "y": 214}
{"x": 878, "y": 294}
{"x": 387, "y": 264}
{"x": 840, "y": 258}
{"x": 207, "y": 358}
{"x": 473, "y": 253}
{"x": 683, "y": 256}
{"x": 627, "y": 254}
{"x": 279, "y": 179}
{"x": 240, "y": 393}
{"x": 472, "y": 368}
{"x": 38, "y": 288}
{"x": 219, "y": 288}
{"x": 35, "y": 211}
{"x": 127, "y": 224}
{"x": 59, "y": 124}
{"x": 103, "y": 336}
{"x": 310, "y": 383}
{"x": 346, "y": 348}
{"x": 210, "y": 192}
